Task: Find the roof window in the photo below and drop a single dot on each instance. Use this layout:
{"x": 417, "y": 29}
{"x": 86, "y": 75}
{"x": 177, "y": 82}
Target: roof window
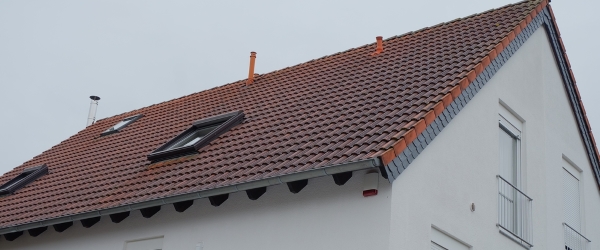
{"x": 121, "y": 124}
{"x": 27, "y": 176}
{"x": 197, "y": 136}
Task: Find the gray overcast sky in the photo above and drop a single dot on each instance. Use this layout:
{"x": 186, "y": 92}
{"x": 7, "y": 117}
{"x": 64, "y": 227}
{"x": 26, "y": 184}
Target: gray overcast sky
{"x": 134, "y": 53}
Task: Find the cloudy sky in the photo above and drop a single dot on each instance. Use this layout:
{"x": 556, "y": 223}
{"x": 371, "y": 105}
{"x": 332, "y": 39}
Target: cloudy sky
{"x": 134, "y": 53}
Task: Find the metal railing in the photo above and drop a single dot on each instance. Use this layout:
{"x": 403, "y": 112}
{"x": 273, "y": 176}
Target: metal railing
{"x": 514, "y": 211}
{"x": 574, "y": 240}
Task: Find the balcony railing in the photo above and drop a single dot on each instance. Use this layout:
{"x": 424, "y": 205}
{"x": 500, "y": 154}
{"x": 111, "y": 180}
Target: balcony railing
{"x": 574, "y": 240}
{"x": 514, "y": 211}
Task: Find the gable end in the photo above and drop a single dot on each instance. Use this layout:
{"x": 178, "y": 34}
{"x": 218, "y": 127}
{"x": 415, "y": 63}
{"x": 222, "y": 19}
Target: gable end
{"x": 398, "y": 163}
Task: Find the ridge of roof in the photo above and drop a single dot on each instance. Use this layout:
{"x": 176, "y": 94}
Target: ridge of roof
{"x": 414, "y": 32}
{"x": 459, "y": 19}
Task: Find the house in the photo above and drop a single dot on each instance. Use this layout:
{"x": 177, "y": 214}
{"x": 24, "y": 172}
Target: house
{"x": 466, "y": 135}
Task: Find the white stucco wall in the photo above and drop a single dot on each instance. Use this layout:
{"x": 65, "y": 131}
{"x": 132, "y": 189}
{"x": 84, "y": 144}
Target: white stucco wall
{"x": 322, "y": 216}
{"x": 460, "y": 166}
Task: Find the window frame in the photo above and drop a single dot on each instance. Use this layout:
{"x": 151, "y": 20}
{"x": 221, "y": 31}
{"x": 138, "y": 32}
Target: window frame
{"x": 579, "y": 226}
{"x": 28, "y": 175}
{"x": 158, "y": 239}
{"x": 446, "y": 240}
{"x": 438, "y": 246}
{"x": 127, "y": 121}
{"x": 521, "y": 223}
{"x": 225, "y": 123}
{"x": 515, "y": 132}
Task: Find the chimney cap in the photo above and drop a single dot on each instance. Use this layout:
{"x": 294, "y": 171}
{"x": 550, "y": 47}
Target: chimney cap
{"x": 95, "y": 98}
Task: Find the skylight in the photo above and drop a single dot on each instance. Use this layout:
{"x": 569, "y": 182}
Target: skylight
{"x": 198, "y": 135}
{"x": 27, "y": 176}
{"x": 117, "y": 127}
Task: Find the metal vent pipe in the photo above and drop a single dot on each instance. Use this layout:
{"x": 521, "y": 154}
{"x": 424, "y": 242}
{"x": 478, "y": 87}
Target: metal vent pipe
{"x": 93, "y": 106}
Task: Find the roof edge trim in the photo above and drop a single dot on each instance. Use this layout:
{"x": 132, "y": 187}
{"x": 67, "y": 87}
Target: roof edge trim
{"x": 371, "y": 163}
{"x": 572, "y": 90}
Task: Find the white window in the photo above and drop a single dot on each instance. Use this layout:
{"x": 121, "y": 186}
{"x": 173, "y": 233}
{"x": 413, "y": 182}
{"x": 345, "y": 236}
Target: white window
{"x": 442, "y": 241}
{"x": 572, "y": 203}
{"x": 436, "y": 246}
{"x": 510, "y": 151}
{"x": 514, "y": 206}
{"x": 574, "y": 239}
{"x": 145, "y": 244}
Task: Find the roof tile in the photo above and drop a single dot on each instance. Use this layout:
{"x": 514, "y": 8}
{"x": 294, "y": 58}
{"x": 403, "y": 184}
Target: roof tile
{"x": 340, "y": 108}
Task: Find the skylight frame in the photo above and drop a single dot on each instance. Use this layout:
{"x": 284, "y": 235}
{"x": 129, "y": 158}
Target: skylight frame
{"x": 223, "y": 124}
{"x": 126, "y": 122}
{"x": 28, "y": 175}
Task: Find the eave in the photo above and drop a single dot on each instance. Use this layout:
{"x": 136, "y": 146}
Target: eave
{"x": 123, "y": 211}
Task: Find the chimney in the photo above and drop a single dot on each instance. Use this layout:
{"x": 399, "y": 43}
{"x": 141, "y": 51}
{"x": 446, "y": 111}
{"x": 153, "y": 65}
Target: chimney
{"x": 251, "y": 70}
{"x": 93, "y": 106}
{"x": 379, "y": 45}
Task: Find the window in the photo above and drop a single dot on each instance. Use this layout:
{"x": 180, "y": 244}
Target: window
{"x": 145, "y": 244}
{"x": 510, "y": 152}
{"x": 193, "y": 137}
{"x": 436, "y": 246}
{"x": 198, "y": 135}
{"x": 514, "y": 206}
{"x": 442, "y": 241}
{"x": 572, "y": 204}
{"x": 27, "y": 176}
{"x": 117, "y": 127}
{"x": 574, "y": 239}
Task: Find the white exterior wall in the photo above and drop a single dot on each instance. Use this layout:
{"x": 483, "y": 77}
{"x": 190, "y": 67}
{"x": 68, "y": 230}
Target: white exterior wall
{"x": 322, "y": 216}
{"x": 460, "y": 166}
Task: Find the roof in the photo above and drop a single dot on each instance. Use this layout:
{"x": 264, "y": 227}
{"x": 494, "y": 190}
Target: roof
{"x": 344, "y": 108}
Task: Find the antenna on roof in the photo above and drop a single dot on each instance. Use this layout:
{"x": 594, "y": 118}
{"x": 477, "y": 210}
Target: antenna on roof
{"x": 93, "y": 106}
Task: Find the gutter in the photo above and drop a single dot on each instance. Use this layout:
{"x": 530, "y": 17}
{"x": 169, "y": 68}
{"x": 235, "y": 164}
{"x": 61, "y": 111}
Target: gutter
{"x": 372, "y": 163}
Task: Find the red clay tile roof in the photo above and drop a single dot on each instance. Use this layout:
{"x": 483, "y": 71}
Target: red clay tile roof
{"x": 340, "y": 108}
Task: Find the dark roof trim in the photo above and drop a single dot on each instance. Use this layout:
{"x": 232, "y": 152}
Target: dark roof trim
{"x": 403, "y": 160}
{"x": 128, "y": 120}
{"x": 228, "y": 121}
{"x": 27, "y": 176}
{"x": 569, "y": 81}
{"x": 373, "y": 164}
{"x": 413, "y": 149}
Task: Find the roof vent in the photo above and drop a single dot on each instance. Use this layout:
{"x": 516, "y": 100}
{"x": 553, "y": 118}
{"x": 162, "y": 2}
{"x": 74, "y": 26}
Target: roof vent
{"x": 93, "y": 107}
{"x": 379, "y": 46}
{"x": 251, "y": 69}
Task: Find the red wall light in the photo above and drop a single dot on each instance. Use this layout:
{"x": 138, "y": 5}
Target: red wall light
{"x": 370, "y": 184}
{"x": 370, "y": 192}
